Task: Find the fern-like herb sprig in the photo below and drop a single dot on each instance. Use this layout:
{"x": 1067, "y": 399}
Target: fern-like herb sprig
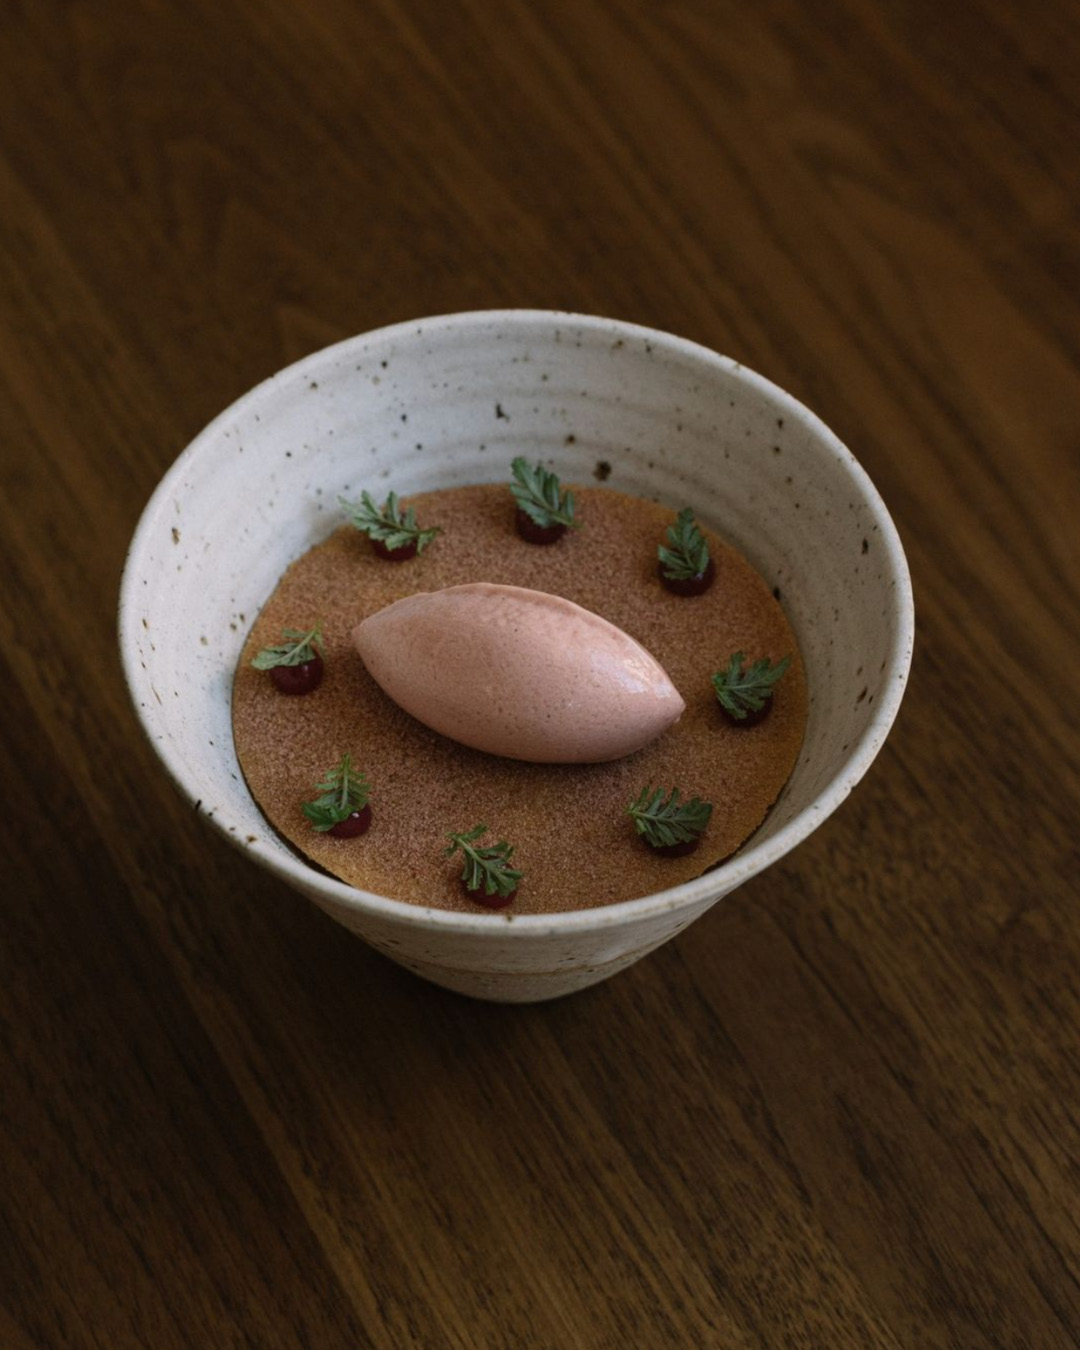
{"x": 743, "y": 690}
{"x": 664, "y": 820}
{"x": 541, "y": 496}
{"x": 485, "y": 865}
{"x": 297, "y": 649}
{"x": 388, "y": 524}
{"x": 343, "y": 790}
{"x": 688, "y": 554}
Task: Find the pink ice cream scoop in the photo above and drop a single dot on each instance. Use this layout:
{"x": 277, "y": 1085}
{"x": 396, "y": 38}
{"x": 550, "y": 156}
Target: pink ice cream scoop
{"x": 518, "y": 673}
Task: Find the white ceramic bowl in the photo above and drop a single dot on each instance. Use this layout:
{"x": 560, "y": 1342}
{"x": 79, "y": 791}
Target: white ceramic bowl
{"x": 451, "y": 400}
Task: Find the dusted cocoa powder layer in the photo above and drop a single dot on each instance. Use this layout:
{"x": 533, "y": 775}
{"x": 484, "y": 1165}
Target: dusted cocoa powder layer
{"x": 568, "y": 823}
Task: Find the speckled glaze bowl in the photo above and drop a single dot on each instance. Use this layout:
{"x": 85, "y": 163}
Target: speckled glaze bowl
{"x": 451, "y": 400}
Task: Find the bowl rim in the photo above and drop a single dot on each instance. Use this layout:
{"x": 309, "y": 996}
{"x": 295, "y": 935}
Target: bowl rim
{"x": 713, "y": 884}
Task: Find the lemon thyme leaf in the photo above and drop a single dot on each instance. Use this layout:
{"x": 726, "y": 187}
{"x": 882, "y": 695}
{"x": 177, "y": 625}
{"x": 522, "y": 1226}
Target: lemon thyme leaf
{"x": 688, "y": 554}
{"x": 486, "y": 865}
{"x": 388, "y": 524}
{"x": 744, "y": 690}
{"x": 540, "y": 495}
{"x": 297, "y": 649}
{"x": 343, "y": 791}
{"x": 665, "y": 820}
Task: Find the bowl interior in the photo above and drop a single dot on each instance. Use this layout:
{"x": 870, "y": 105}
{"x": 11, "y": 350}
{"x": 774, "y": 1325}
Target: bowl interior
{"x": 451, "y": 401}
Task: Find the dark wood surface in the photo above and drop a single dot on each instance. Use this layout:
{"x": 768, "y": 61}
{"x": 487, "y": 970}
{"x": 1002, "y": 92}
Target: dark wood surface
{"x": 843, "y": 1110}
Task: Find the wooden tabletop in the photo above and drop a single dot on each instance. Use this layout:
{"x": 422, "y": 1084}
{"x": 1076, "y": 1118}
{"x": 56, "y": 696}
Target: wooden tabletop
{"x": 843, "y": 1109}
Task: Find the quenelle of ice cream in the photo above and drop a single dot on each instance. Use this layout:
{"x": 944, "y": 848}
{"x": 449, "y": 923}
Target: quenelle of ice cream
{"x": 518, "y": 673}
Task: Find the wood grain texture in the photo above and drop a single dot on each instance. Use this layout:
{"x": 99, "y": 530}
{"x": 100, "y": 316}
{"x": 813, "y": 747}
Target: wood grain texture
{"x": 843, "y": 1110}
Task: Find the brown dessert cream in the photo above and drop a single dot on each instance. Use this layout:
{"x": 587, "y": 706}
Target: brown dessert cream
{"x": 519, "y": 673}
{"x": 573, "y": 840}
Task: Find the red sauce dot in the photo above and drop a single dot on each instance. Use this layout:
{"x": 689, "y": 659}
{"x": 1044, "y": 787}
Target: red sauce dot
{"x": 298, "y": 679}
{"x": 679, "y": 850}
{"x": 353, "y": 824}
{"x": 751, "y": 719}
{"x": 537, "y": 534}
{"x": 402, "y": 554}
{"x": 689, "y": 585}
{"x": 481, "y": 897}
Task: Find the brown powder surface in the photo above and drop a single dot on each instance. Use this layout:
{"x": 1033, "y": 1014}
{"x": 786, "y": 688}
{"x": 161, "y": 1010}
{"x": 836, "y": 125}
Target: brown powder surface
{"x": 572, "y": 837}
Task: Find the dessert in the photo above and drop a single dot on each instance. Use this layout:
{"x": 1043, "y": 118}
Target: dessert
{"x": 668, "y": 825}
{"x": 545, "y": 509}
{"x": 395, "y": 535}
{"x": 518, "y": 672}
{"x": 744, "y": 691}
{"x": 486, "y": 872}
{"x": 295, "y": 664}
{"x": 574, "y": 842}
{"x": 342, "y": 808}
{"x": 684, "y": 563}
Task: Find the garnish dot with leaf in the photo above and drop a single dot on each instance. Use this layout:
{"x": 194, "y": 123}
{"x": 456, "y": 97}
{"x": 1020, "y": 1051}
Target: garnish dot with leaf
{"x": 342, "y": 808}
{"x": 745, "y": 692}
{"x": 394, "y": 533}
{"x": 668, "y": 825}
{"x": 684, "y": 563}
{"x": 545, "y": 509}
{"x": 486, "y": 873}
{"x": 296, "y": 665}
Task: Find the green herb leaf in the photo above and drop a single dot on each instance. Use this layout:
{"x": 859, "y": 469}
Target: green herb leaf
{"x": 688, "y": 555}
{"x": 540, "y": 495}
{"x": 296, "y": 650}
{"x": 344, "y": 790}
{"x": 665, "y": 820}
{"x": 487, "y": 865}
{"x": 743, "y": 690}
{"x": 388, "y": 523}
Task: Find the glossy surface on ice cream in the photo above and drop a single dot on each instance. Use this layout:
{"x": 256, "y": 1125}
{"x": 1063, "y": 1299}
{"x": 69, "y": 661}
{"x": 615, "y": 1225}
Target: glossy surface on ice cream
{"x": 519, "y": 673}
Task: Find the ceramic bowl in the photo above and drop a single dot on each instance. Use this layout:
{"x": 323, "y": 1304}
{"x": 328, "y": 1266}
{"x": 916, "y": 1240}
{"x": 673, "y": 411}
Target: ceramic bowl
{"x": 451, "y": 400}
